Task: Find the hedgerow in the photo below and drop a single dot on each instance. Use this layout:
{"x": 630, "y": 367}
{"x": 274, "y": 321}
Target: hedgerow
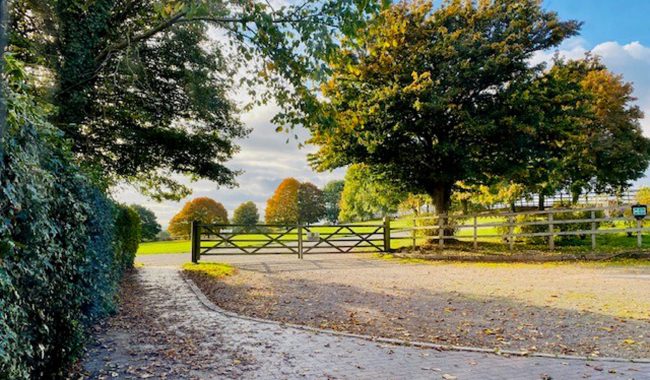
{"x": 60, "y": 258}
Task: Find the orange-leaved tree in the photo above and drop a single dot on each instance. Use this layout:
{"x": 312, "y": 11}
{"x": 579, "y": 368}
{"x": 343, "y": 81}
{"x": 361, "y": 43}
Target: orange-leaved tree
{"x": 282, "y": 207}
{"x": 204, "y": 210}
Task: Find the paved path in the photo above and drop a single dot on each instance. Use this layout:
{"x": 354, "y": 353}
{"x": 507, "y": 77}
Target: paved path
{"x": 228, "y": 347}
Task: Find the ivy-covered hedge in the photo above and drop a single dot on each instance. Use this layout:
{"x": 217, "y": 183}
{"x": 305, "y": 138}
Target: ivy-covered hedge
{"x": 61, "y": 255}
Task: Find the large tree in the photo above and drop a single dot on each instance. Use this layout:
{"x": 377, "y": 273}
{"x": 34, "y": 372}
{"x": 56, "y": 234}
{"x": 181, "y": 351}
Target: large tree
{"x": 142, "y": 91}
{"x": 435, "y": 95}
{"x": 589, "y": 136}
{"x": 612, "y": 149}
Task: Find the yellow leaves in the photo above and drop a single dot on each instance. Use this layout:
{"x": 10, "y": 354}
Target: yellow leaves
{"x": 171, "y": 8}
{"x": 489, "y": 332}
{"x": 629, "y": 341}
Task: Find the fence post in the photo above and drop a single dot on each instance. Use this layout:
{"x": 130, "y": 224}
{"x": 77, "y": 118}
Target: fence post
{"x": 300, "y": 241}
{"x": 441, "y": 232}
{"x": 593, "y": 230}
{"x": 639, "y": 238}
{"x": 475, "y": 233}
{"x": 387, "y": 234}
{"x": 196, "y": 242}
{"x": 511, "y": 231}
{"x": 413, "y": 233}
{"x": 551, "y": 238}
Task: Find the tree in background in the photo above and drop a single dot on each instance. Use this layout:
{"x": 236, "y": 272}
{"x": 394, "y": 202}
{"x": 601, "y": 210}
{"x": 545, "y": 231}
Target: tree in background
{"x": 414, "y": 203}
{"x": 367, "y": 194}
{"x": 311, "y": 204}
{"x": 282, "y": 207}
{"x": 589, "y": 137}
{"x": 149, "y": 223}
{"x": 246, "y": 214}
{"x": 438, "y": 94}
{"x": 643, "y": 196}
{"x": 294, "y": 202}
{"x": 332, "y": 199}
{"x": 203, "y": 209}
{"x": 613, "y": 143}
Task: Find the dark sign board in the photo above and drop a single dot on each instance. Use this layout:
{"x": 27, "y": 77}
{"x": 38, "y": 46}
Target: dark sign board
{"x": 639, "y": 211}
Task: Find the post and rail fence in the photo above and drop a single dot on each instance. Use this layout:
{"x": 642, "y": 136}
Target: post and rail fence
{"x": 506, "y": 227}
{"x": 511, "y": 228}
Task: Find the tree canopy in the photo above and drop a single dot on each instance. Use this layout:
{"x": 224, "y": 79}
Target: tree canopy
{"x": 332, "y": 199}
{"x": 142, "y": 92}
{"x": 202, "y": 209}
{"x": 311, "y": 204}
{"x": 367, "y": 194}
{"x": 295, "y": 202}
{"x": 282, "y": 207}
{"x": 437, "y": 95}
{"x": 246, "y": 214}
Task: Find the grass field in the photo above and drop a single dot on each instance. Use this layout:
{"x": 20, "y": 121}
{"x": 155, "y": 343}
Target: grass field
{"x": 605, "y": 242}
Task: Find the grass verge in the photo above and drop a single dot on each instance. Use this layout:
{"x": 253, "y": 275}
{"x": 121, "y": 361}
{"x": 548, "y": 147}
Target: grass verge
{"x": 214, "y": 270}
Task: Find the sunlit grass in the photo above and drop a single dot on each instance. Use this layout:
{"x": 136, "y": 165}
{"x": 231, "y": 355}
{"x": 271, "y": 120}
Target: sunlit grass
{"x": 216, "y": 270}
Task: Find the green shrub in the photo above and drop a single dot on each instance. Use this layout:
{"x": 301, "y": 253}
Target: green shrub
{"x": 128, "y": 230}
{"x": 59, "y": 266}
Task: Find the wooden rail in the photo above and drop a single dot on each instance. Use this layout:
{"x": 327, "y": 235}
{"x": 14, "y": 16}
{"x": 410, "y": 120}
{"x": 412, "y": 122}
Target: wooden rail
{"x": 220, "y": 239}
{"x": 553, "y": 222}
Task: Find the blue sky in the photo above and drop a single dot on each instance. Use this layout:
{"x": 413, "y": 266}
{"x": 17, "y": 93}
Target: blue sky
{"x": 616, "y": 30}
{"x": 623, "y": 21}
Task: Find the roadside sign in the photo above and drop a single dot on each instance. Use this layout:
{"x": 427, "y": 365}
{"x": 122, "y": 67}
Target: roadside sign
{"x": 639, "y": 211}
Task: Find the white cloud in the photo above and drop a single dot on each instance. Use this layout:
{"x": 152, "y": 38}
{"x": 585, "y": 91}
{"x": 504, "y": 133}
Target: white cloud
{"x": 265, "y": 157}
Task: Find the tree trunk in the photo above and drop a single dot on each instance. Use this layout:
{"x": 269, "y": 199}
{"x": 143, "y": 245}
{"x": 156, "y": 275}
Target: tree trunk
{"x": 540, "y": 202}
{"x": 575, "y": 197}
{"x": 513, "y": 207}
{"x": 441, "y": 196}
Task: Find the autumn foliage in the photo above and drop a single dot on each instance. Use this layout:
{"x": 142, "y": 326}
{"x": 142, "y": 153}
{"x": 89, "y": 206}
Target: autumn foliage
{"x": 282, "y": 207}
{"x": 204, "y": 210}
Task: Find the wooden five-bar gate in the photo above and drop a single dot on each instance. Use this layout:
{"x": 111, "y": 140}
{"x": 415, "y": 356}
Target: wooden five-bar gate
{"x": 229, "y": 239}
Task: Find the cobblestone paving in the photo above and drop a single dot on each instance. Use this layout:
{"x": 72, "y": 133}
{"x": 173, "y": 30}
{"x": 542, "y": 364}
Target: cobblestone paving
{"x": 254, "y": 350}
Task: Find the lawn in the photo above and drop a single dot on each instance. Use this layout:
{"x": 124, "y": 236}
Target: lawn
{"x": 156, "y": 247}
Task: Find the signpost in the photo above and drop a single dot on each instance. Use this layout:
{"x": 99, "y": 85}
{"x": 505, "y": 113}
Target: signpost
{"x": 639, "y": 212}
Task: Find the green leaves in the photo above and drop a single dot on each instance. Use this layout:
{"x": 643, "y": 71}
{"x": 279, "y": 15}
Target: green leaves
{"x": 433, "y": 97}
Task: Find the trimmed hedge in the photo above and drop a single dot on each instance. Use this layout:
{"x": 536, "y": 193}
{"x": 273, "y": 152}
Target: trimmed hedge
{"x": 61, "y": 255}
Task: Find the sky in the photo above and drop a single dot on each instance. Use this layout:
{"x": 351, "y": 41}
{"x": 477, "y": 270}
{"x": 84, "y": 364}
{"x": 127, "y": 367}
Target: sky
{"x": 618, "y": 31}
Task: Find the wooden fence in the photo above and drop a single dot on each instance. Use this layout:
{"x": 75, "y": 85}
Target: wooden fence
{"x": 511, "y": 228}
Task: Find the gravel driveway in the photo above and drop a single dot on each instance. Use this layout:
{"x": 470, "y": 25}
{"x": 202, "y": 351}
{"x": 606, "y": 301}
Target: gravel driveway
{"x": 166, "y": 331}
{"x": 570, "y": 309}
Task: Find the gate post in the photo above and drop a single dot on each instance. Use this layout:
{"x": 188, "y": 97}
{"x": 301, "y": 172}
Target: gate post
{"x": 387, "y": 234}
{"x": 300, "y": 241}
{"x": 196, "y": 242}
